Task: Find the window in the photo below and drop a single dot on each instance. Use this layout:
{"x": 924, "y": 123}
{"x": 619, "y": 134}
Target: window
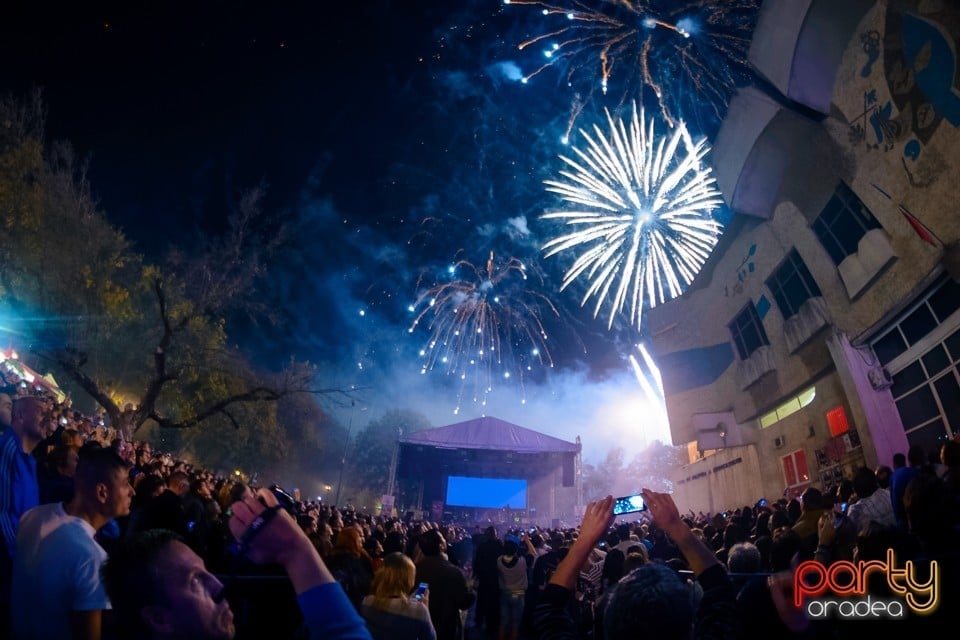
{"x": 842, "y": 223}
{"x": 837, "y": 421}
{"x": 747, "y": 331}
{"x": 922, "y": 352}
{"x": 792, "y": 285}
{"x": 795, "y": 470}
{"x": 789, "y": 407}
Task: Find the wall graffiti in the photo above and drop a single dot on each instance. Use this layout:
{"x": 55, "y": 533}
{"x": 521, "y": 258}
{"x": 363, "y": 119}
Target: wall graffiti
{"x": 921, "y": 72}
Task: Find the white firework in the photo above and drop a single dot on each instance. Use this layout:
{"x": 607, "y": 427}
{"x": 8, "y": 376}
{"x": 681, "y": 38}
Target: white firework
{"x": 642, "y": 214}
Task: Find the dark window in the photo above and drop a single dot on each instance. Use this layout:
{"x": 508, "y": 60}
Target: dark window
{"x": 946, "y": 300}
{"x": 792, "y": 285}
{"x": 747, "y": 331}
{"x": 935, "y": 360}
{"x": 918, "y": 324}
{"x": 948, "y": 391}
{"x": 842, "y": 223}
{"x": 953, "y": 345}
{"x": 909, "y": 378}
{"x": 890, "y": 346}
{"x": 917, "y": 407}
{"x": 930, "y": 437}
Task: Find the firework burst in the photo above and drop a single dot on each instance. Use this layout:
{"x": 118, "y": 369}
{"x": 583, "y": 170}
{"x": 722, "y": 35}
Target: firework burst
{"x": 642, "y": 218}
{"x": 690, "y": 54}
{"x": 486, "y": 323}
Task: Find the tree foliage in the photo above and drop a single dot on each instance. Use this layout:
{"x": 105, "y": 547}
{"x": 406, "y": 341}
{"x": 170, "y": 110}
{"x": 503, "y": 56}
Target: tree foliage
{"x": 370, "y": 453}
{"x": 651, "y": 468}
{"x": 146, "y": 341}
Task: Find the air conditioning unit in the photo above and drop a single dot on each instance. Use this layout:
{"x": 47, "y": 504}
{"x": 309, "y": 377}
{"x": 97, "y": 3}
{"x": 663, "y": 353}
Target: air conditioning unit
{"x": 779, "y": 441}
{"x": 880, "y": 378}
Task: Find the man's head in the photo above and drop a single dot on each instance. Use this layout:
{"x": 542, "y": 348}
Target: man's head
{"x": 883, "y": 474}
{"x": 179, "y": 483}
{"x": 744, "y": 557}
{"x": 64, "y": 460}
{"x": 652, "y": 601}
{"x": 432, "y": 543}
{"x": 864, "y": 482}
{"x": 6, "y": 410}
{"x": 811, "y": 500}
{"x": 160, "y": 588}
{"x": 27, "y": 420}
{"x": 102, "y": 480}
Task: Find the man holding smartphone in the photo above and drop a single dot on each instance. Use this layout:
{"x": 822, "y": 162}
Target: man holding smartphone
{"x": 653, "y": 601}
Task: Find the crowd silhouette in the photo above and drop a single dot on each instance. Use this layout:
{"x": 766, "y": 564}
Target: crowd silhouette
{"x": 101, "y": 526}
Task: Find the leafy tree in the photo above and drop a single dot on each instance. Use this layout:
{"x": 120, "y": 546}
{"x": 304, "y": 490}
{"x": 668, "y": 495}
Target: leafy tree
{"x": 654, "y": 466}
{"x": 651, "y": 468}
{"x": 369, "y": 456}
{"x": 146, "y": 342}
{"x": 605, "y": 478}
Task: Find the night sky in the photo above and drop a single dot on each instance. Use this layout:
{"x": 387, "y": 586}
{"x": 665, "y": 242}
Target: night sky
{"x": 393, "y": 137}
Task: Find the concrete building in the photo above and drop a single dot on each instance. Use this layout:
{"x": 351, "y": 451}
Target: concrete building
{"x": 824, "y": 331}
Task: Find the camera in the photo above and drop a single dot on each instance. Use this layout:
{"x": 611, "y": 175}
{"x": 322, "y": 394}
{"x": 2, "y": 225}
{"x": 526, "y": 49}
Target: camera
{"x": 285, "y": 499}
{"x": 629, "y": 504}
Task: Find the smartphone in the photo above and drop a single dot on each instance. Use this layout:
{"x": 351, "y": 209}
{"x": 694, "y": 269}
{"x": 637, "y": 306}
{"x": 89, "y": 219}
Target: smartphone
{"x": 839, "y": 511}
{"x": 421, "y": 589}
{"x": 629, "y": 504}
{"x": 763, "y": 502}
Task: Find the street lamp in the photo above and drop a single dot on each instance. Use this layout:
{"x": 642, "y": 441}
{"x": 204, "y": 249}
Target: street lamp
{"x": 343, "y": 459}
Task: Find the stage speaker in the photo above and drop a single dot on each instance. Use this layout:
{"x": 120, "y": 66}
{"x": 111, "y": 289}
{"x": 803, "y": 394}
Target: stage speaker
{"x": 568, "y": 472}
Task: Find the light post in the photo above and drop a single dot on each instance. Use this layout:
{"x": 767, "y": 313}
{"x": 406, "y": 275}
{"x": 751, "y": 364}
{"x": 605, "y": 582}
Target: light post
{"x": 343, "y": 459}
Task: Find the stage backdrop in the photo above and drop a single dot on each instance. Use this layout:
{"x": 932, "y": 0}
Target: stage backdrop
{"x": 490, "y": 448}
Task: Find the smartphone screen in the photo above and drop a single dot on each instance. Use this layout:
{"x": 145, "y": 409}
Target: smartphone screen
{"x": 629, "y": 504}
{"x": 421, "y": 589}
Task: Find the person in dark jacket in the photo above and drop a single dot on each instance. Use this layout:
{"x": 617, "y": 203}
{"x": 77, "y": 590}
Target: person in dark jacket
{"x": 485, "y": 571}
{"x": 449, "y": 594}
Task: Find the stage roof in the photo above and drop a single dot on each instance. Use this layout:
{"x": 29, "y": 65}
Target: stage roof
{"x": 490, "y": 434}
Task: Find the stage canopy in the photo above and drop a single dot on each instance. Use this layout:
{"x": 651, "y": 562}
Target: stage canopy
{"x": 489, "y": 434}
{"x": 487, "y": 448}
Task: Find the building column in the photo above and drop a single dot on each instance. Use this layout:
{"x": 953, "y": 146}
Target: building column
{"x": 871, "y": 408}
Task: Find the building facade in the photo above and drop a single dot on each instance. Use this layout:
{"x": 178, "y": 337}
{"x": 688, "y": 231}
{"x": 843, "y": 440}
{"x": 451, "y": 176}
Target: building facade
{"x": 823, "y": 333}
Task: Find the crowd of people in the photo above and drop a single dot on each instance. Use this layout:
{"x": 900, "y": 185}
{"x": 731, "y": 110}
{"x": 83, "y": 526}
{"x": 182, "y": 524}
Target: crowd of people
{"x": 105, "y": 538}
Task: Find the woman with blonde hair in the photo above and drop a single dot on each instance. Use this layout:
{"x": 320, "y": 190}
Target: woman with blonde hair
{"x": 391, "y": 613}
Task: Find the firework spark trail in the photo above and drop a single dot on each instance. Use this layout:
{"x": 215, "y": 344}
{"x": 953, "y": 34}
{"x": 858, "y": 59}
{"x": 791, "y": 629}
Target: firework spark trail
{"x": 645, "y": 227}
{"x": 488, "y": 321}
{"x": 690, "y": 54}
{"x": 653, "y": 393}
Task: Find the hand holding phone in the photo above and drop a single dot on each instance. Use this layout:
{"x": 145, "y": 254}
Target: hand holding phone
{"x": 629, "y": 504}
{"x": 839, "y": 511}
{"x": 421, "y": 591}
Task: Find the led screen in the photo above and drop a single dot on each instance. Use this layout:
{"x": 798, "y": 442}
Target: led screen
{"x": 493, "y": 493}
